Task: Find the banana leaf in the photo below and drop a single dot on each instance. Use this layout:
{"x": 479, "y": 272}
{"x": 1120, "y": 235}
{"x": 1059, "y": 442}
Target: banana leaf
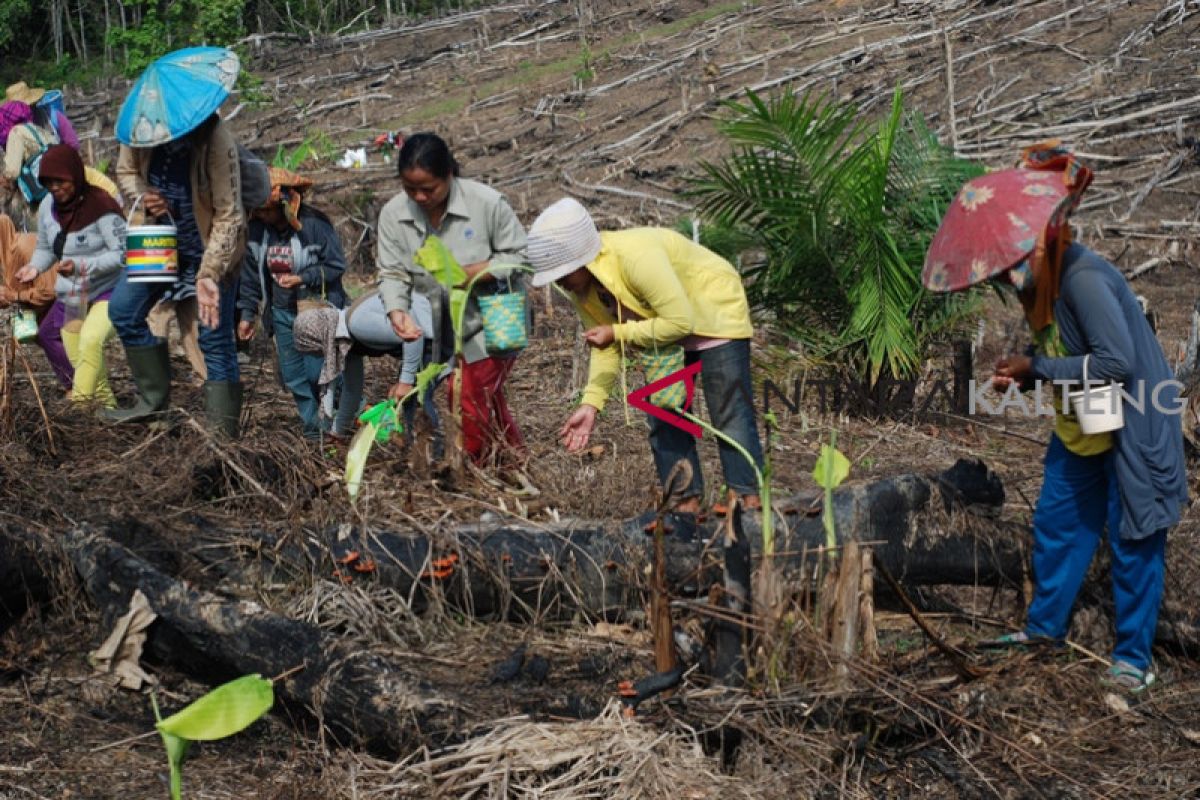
{"x": 224, "y": 711}
{"x": 356, "y": 457}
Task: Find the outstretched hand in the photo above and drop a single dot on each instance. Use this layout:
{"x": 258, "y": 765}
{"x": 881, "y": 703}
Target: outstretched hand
{"x": 404, "y": 325}
{"x": 399, "y": 390}
{"x": 600, "y": 336}
{"x": 208, "y": 298}
{"x": 577, "y": 430}
{"x": 1009, "y": 370}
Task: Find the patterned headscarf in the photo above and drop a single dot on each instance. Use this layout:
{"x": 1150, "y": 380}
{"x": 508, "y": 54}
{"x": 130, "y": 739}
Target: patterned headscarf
{"x": 315, "y": 332}
{"x": 12, "y": 114}
{"x": 287, "y": 190}
{"x": 1045, "y": 262}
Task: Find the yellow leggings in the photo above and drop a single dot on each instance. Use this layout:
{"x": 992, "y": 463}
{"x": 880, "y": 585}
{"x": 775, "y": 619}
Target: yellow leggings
{"x": 85, "y": 348}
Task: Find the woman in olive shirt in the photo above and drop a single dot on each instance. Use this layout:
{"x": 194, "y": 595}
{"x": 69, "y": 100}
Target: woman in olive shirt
{"x": 480, "y": 229}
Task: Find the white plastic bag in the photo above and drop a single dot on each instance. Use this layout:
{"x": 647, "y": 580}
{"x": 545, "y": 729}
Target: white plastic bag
{"x": 354, "y": 159}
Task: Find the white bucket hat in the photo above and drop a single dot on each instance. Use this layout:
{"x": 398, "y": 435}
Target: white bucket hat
{"x": 561, "y": 240}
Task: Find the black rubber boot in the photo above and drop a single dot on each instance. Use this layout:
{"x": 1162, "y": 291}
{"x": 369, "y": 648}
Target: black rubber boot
{"x": 223, "y": 407}
{"x": 151, "y": 369}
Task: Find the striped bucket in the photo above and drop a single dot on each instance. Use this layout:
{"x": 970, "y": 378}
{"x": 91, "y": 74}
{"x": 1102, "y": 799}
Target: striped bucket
{"x": 150, "y": 254}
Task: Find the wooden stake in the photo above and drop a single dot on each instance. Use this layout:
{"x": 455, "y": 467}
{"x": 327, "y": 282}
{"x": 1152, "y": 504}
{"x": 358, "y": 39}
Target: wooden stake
{"x": 660, "y": 607}
{"x": 845, "y": 615}
{"x": 870, "y": 639}
{"x": 950, "y": 90}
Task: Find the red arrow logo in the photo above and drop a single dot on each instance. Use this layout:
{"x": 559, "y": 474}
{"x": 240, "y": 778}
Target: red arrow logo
{"x": 640, "y": 399}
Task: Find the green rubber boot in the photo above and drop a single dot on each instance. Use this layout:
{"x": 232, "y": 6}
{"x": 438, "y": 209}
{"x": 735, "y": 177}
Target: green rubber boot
{"x": 223, "y": 407}
{"x": 151, "y": 369}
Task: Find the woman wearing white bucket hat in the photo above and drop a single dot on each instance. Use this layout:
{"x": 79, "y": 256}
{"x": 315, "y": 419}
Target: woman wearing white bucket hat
{"x": 653, "y": 289}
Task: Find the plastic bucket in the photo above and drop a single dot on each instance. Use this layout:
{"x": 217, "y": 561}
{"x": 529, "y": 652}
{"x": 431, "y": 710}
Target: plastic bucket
{"x": 1098, "y": 408}
{"x": 151, "y": 251}
{"x": 150, "y": 254}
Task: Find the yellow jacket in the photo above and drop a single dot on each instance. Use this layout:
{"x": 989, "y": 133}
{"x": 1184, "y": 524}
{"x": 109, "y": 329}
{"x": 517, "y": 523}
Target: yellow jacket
{"x": 677, "y": 287}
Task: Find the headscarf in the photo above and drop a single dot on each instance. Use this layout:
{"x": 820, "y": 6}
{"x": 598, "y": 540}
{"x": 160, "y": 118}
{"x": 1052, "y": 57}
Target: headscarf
{"x": 1045, "y": 262}
{"x": 315, "y": 331}
{"x": 12, "y": 114}
{"x": 89, "y": 204}
{"x": 287, "y": 191}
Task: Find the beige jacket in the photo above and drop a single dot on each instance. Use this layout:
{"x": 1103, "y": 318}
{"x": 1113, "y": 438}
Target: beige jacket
{"x": 216, "y": 196}
{"x": 22, "y": 146}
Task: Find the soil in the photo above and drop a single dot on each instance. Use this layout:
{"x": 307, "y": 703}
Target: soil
{"x": 617, "y": 103}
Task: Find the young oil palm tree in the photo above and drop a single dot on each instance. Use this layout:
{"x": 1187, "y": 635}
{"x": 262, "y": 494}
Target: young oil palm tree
{"x": 841, "y": 212}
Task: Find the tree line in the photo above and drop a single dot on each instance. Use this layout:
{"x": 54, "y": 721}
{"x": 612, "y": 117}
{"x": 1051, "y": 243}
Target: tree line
{"x": 71, "y": 40}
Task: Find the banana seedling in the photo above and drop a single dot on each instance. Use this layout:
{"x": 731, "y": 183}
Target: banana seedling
{"x": 222, "y": 712}
{"x": 378, "y": 423}
{"x": 831, "y": 469}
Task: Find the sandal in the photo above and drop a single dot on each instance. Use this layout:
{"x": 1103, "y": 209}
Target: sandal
{"x": 1123, "y": 675}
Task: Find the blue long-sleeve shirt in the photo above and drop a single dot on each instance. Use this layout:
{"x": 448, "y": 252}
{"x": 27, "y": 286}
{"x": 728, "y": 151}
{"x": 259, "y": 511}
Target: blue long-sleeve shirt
{"x": 1098, "y": 315}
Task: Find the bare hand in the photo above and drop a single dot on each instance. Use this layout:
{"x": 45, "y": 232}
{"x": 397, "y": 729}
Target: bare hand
{"x": 208, "y": 298}
{"x": 1012, "y": 368}
{"x": 474, "y": 269}
{"x": 245, "y": 330}
{"x": 65, "y": 267}
{"x": 26, "y": 274}
{"x": 399, "y": 390}
{"x": 404, "y": 326}
{"x": 288, "y": 281}
{"x": 577, "y": 430}
{"x": 601, "y": 336}
{"x": 154, "y": 203}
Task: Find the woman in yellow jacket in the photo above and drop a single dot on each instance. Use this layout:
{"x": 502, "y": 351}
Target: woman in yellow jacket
{"x": 653, "y": 289}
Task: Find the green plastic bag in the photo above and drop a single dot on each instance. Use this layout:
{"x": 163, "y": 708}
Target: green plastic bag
{"x": 24, "y": 325}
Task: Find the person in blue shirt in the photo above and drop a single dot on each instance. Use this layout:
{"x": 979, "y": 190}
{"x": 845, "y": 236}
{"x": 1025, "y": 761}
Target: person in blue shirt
{"x": 293, "y": 257}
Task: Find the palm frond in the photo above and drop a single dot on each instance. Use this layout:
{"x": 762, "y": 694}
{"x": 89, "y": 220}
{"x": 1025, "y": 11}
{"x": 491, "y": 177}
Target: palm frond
{"x": 842, "y": 211}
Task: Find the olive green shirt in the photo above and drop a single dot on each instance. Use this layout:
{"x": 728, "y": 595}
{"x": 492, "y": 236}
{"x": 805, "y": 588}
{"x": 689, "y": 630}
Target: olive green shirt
{"x": 478, "y": 226}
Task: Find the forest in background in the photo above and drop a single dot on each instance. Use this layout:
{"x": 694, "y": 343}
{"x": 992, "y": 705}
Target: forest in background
{"x": 79, "y": 41}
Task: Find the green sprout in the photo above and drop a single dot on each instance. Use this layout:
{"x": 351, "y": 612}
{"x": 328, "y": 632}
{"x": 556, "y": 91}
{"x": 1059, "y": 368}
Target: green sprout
{"x": 831, "y": 469}
{"x": 222, "y": 712}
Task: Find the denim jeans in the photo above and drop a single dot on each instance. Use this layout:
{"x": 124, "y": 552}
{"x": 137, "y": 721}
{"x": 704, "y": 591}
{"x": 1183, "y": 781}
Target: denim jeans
{"x": 725, "y": 378}
{"x": 300, "y": 372}
{"x": 131, "y": 303}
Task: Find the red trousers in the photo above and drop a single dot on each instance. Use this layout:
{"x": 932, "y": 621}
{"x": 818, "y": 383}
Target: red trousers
{"x": 487, "y": 424}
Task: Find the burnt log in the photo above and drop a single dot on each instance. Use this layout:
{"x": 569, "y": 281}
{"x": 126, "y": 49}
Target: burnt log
{"x": 925, "y": 530}
{"x": 362, "y": 697}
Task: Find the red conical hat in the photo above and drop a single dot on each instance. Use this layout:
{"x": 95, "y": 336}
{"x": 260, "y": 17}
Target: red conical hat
{"x": 995, "y": 221}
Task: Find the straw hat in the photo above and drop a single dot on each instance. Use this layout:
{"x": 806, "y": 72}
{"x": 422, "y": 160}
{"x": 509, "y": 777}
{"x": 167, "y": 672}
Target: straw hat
{"x": 561, "y": 240}
{"x": 21, "y": 92}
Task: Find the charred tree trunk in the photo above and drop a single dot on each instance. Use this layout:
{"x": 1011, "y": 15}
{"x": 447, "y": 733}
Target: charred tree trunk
{"x": 358, "y": 695}
{"x": 517, "y": 569}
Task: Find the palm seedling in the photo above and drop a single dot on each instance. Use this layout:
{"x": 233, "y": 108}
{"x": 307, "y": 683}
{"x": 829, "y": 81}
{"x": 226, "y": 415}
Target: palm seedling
{"x": 836, "y": 214}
